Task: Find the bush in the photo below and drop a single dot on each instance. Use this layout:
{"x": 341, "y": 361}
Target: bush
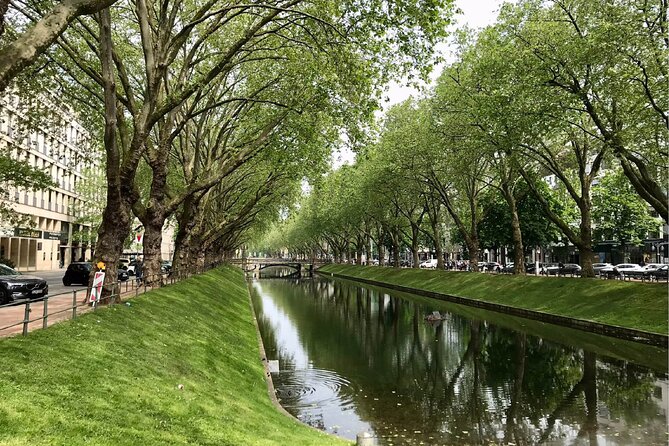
{"x": 8, "y": 262}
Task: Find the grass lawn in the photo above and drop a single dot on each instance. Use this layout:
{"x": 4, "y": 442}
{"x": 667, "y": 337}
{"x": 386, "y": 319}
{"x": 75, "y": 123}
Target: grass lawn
{"x": 641, "y": 306}
{"x": 112, "y": 377}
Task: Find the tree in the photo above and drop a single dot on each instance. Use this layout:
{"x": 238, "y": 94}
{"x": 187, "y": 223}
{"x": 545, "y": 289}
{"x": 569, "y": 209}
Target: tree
{"x": 30, "y": 40}
{"x": 608, "y": 62}
{"x": 619, "y": 213}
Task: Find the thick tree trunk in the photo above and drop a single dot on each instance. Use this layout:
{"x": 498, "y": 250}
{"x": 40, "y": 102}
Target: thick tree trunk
{"x": 117, "y": 216}
{"x": 395, "y": 235}
{"x": 113, "y": 231}
{"x": 382, "y": 254}
{"x": 415, "y": 232}
{"x": 153, "y": 239}
{"x": 518, "y": 248}
{"x": 585, "y": 245}
{"x": 438, "y": 249}
{"x": 473, "y": 248}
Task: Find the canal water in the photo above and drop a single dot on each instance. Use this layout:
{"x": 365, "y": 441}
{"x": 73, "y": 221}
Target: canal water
{"x": 358, "y": 359}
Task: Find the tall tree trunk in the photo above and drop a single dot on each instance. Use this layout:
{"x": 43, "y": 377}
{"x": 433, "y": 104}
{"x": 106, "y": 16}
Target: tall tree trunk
{"x": 117, "y": 216}
{"x": 153, "y": 240}
{"x": 518, "y": 248}
{"x": 396, "y": 248}
{"x": 415, "y": 232}
{"x": 585, "y": 245}
{"x": 438, "y": 248}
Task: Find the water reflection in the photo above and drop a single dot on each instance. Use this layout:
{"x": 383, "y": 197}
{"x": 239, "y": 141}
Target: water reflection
{"x": 355, "y": 359}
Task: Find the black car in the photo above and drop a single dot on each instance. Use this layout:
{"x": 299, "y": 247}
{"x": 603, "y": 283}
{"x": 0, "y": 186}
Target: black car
{"x": 79, "y": 272}
{"x": 660, "y": 273}
{"x": 14, "y": 286}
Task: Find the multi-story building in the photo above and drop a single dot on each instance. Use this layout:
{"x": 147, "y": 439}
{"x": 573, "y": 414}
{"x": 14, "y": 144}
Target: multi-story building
{"x": 58, "y": 145}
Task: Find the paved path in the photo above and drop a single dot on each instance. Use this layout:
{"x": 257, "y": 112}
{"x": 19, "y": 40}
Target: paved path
{"x": 59, "y": 307}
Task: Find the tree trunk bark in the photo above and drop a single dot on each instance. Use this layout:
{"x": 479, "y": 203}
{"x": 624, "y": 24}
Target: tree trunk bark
{"x": 117, "y": 216}
{"x": 438, "y": 249}
{"x": 153, "y": 239}
{"x": 585, "y": 245}
{"x": 518, "y": 249}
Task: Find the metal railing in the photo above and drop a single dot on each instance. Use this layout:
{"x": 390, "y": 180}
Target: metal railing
{"x": 17, "y": 317}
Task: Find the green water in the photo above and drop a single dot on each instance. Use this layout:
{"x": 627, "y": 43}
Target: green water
{"x": 361, "y": 359}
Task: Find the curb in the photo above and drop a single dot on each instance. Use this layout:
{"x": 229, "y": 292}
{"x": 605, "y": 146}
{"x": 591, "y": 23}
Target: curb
{"x": 629, "y": 334}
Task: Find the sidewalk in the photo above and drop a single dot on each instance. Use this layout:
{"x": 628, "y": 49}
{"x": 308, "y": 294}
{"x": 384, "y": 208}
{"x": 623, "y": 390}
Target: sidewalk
{"x": 59, "y": 308}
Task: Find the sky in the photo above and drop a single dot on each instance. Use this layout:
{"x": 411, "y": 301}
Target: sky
{"x": 475, "y": 14}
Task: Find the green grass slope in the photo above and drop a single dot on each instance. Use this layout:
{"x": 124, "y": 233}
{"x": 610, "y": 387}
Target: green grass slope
{"x": 641, "y": 306}
{"x": 112, "y": 377}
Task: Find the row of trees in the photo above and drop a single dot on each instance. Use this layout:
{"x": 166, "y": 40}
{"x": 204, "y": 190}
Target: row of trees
{"x": 567, "y": 91}
{"x": 211, "y": 113}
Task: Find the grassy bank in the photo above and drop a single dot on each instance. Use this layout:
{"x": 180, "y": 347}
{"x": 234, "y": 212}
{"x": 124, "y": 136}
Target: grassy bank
{"x": 112, "y": 377}
{"x": 640, "y": 306}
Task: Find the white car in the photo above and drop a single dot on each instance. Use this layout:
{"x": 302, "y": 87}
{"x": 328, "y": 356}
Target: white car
{"x": 629, "y": 269}
{"x": 651, "y": 267}
{"x": 429, "y": 264}
{"x": 598, "y": 267}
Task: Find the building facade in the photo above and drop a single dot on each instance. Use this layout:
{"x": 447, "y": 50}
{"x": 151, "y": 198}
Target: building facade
{"x": 58, "y": 146}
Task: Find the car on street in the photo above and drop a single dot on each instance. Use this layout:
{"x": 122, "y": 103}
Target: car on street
{"x": 660, "y": 273}
{"x": 567, "y": 269}
{"x": 622, "y": 269}
{"x": 79, "y": 272}
{"x": 493, "y": 266}
{"x": 530, "y": 268}
{"x": 650, "y": 267}
{"x": 428, "y": 264}
{"x": 508, "y": 268}
{"x": 598, "y": 267}
{"x": 15, "y": 286}
{"x": 166, "y": 267}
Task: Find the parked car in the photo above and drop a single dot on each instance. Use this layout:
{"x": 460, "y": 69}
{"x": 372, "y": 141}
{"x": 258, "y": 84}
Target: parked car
{"x": 624, "y": 269}
{"x": 530, "y": 268}
{"x": 79, "y": 272}
{"x": 660, "y": 273}
{"x": 598, "y": 267}
{"x": 648, "y": 268}
{"x": 508, "y": 268}
{"x": 14, "y": 286}
{"x": 493, "y": 266}
{"x": 166, "y": 267}
{"x": 429, "y": 264}
{"x": 567, "y": 268}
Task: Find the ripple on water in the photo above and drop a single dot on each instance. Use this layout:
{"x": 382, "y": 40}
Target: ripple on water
{"x": 313, "y": 387}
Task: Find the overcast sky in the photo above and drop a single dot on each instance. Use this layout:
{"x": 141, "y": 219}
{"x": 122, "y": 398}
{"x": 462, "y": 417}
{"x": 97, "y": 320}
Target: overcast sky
{"x": 475, "y": 14}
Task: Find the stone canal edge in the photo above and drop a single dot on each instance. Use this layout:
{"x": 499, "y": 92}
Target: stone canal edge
{"x": 271, "y": 390}
{"x": 630, "y": 334}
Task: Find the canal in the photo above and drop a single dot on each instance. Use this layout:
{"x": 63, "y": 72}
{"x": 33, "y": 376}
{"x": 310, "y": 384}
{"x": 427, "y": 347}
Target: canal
{"x": 412, "y": 371}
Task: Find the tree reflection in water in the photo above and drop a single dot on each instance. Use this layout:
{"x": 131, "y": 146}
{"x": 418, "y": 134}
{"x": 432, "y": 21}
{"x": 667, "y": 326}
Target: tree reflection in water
{"x": 462, "y": 380}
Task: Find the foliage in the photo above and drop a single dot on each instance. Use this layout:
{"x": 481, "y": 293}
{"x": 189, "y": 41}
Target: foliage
{"x": 495, "y": 228}
{"x": 619, "y": 213}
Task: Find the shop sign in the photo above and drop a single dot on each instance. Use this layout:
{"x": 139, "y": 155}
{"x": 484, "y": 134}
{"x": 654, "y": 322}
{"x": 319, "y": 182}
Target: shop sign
{"x": 28, "y": 233}
{"x": 49, "y": 235}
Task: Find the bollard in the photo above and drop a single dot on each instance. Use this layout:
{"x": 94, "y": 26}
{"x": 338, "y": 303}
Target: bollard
{"x": 45, "y": 312}
{"x": 26, "y": 319}
{"x": 365, "y": 439}
{"x": 74, "y": 304}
